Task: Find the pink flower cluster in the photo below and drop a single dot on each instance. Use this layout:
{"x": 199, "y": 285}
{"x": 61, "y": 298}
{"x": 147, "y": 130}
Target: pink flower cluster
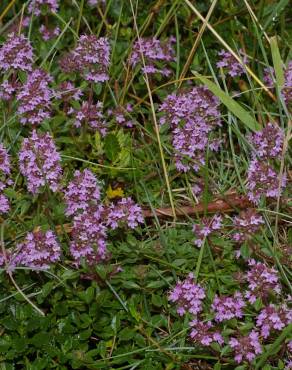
{"x": 203, "y": 333}
{"x": 246, "y": 224}
{"x": 246, "y": 347}
{"x": 207, "y": 227}
{"x": 5, "y": 169}
{"x": 262, "y": 179}
{"x": 49, "y": 33}
{"x": 267, "y": 143}
{"x": 192, "y": 116}
{"x": 95, "y": 2}
{"x": 90, "y": 114}
{"x": 286, "y": 89}
{"x": 91, "y": 219}
{"x": 89, "y": 237}
{"x": 273, "y": 318}
{"x": 8, "y": 89}
{"x": 39, "y": 162}
{"x": 269, "y": 77}
{"x": 152, "y": 51}
{"x": 232, "y": 66}
{"x": 120, "y": 115}
{"x": 228, "y": 307}
{"x": 16, "y": 54}
{"x": 35, "y": 98}
{"x": 36, "y": 6}
{"x": 124, "y": 211}
{"x": 91, "y": 58}
{"x": 82, "y": 193}
{"x": 262, "y": 281}
{"x": 67, "y": 91}
{"x": 38, "y": 250}
{"x": 188, "y": 296}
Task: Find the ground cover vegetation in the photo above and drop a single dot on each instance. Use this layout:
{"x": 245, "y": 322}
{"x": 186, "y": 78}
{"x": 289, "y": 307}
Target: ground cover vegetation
{"x": 145, "y": 184}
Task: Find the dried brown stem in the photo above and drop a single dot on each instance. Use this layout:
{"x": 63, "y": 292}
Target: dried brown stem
{"x": 229, "y": 203}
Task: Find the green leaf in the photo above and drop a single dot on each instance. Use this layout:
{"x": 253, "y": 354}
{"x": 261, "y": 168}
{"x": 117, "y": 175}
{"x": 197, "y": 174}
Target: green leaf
{"x": 156, "y": 300}
{"x": 274, "y": 348}
{"x": 25, "y": 205}
{"x": 156, "y": 284}
{"x": 4, "y": 345}
{"x": 131, "y": 285}
{"x": 126, "y": 334}
{"x": 89, "y": 294}
{"x": 111, "y": 147}
{"x": 11, "y": 193}
{"x": 40, "y": 339}
{"x": 230, "y": 104}
{"x": 277, "y": 61}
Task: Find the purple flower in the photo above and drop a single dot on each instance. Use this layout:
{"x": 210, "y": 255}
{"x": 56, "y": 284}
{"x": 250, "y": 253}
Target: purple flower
{"x": 90, "y": 114}
{"x": 35, "y": 98}
{"x": 5, "y": 169}
{"x": 272, "y": 318}
{"x": 228, "y": 307}
{"x": 270, "y": 80}
{"x": 4, "y": 204}
{"x": 91, "y": 58}
{"x": 8, "y": 89}
{"x": 153, "y": 51}
{"x": 188, "y": 296}
{"x": 262, "y": 281}
{"x": 269, "y": 77}
{"x": 2, "y": 259}
{"x": 262, "y": 180}
{"x": 207, "y": 227}
{"x": 233, "y": 67}
{"x": 246, "y": 225}
{"x": 39, "y": 250}
{"x": 82, "y": 193}
{"x": 287, "y": 88}
{"x": 49, "y": 33}
{"x": 203, "y": 334}
{"x": 120, "y": 115}
{"x": 246, "y": 348}
{"x": 267, "y": 143}
{"x": 16, "y": 54}
{"x": 125, "y": 211}
{"x": 36, "y": 6}
{"x": 89, "y": 237}
{"x": 67, "y": 92}
{"x": 93, "y": 3}
{"x": 192, "y": 116}
{"x": 40, "y": 162}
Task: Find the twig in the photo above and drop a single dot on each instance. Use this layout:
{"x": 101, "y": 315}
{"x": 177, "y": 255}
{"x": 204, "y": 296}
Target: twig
{"x": 229, "y": 204}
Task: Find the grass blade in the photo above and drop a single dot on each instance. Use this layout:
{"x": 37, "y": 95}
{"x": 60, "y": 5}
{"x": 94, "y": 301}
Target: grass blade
{"x": 230, "y": 104}
{"x": 277, "y": 61}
